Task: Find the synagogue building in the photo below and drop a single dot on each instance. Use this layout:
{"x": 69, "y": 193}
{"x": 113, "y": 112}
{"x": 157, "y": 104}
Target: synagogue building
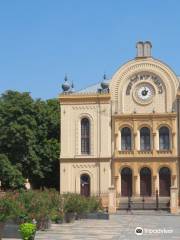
{"x": 123, "y": 133}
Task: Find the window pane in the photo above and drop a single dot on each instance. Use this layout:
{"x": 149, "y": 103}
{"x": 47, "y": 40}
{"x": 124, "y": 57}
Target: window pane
{"x": 125, "y": 139}
{"x": 85, "y": 135}
{"x": 164, "y": 143}
{"x": 145, "y": 141}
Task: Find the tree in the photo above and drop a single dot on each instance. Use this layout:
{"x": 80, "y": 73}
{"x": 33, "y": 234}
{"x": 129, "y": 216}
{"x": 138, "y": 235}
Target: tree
{"x": 10, "y": 176}
{"x": 48, "y": 134}
{"x": 29, "y": 137}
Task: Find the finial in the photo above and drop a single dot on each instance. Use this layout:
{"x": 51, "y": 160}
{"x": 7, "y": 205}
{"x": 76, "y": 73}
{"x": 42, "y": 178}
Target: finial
{"x": 66, "y": 86}
{"x": 72, "y": 88}
{"x": 105, "y": 83}
{"x": 65, "y": 78}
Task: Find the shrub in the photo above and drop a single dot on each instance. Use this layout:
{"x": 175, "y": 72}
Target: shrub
{"x": 24, "y": 206}
{"x": 70, "y": 203}
{"x": 57, "y": 218}
{"x": 39, "y": 204}
{"x": 94, "y": 204}
{"x": 80, "y": 204}
{"x": 27, "y": 230}
{"x": 9, "y": 209}
{"x": 5, "y": 209}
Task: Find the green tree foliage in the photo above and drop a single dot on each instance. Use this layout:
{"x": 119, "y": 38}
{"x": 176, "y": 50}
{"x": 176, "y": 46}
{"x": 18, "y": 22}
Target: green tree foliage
{"x": 11, "y": 177}
{"x": 29, "y": 137}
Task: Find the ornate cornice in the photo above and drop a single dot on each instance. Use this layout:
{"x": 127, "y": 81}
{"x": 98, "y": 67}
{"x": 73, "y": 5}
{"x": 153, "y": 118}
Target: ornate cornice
{"x": 85, "y": 98}
{"x": 145, "y": 116}
{"x": 84, "y": 160}
{"x": 146, "y": 159}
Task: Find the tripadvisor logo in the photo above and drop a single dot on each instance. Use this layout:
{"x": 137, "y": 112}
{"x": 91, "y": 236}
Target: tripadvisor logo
{"x": 139, "y": 231}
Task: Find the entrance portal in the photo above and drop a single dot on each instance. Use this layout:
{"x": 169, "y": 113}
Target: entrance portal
{"x": 164, "y": 182}
{"x": 85, "y": 185}
{"x": 126, "y": 182}
{"x": 145, "y": 182}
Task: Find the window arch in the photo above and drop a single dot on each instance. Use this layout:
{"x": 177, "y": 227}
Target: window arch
{"x": 85, "y": 136}
{"x": 164, "y": 142}
{"x": 126, "y": 142}
{"x": 145, "y": 139}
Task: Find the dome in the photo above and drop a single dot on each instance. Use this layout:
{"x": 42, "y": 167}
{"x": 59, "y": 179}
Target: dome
{"x": 66, "y": 85}
{"x": 105, "y": 83}
{"x": 72, "y": 88}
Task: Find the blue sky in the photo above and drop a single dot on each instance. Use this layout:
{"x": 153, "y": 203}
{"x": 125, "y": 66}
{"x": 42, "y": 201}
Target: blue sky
{"x": 41, "y": 40}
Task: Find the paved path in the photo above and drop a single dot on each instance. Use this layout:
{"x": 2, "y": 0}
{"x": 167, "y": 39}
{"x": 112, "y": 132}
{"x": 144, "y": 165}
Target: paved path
{"x": 121, "y": 226}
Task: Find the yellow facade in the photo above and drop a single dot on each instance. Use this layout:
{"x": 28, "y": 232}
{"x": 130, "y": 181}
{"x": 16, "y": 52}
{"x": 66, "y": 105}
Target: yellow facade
{"x": 154, "y": 159}
{"x": 133, "y": 124}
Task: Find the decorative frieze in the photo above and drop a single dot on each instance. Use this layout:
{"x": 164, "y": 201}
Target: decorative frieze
{"x": 85, "y": 166}
{"x": 84, "y": 107}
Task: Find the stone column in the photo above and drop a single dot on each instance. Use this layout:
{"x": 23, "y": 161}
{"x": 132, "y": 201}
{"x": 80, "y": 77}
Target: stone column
{"x": 174, "y": 200}
{"x": 118, "y": 144}
{"x": 173, "y": 142}
{"x": 116, "y": 141}
{"x": 112, "y": 200}
{"x": 135, "y": 135}
{"x": 153, "y": 144}
{"x": 135, "y": 144}
{"x": 173, "y": 179}
{"x": 135, "y": 186}
{"x": 154, "y": 185}
{"x": 116, "y": 184}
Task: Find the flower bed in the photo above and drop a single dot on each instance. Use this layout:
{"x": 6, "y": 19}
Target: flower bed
{"x": 42, "y": 207}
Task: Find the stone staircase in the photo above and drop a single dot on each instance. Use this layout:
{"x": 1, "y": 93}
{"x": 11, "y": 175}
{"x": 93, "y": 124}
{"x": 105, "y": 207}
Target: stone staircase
{"x": 146, "y": 203}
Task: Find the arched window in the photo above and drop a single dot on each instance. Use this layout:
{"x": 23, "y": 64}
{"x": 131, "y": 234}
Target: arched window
{"x": 145, "y": 140}
{"x": 85, "y": 136}
{"x": 164, "y": 138}
{"x": 126, "y": 139}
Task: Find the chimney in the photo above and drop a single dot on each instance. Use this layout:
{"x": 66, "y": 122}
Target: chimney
{"x": 147, "y": 49}
{"x": 140, "y": 49}
{"x": 143, "y": 49}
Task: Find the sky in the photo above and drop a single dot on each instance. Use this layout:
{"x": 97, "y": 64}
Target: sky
{"x": 42, "y": 40}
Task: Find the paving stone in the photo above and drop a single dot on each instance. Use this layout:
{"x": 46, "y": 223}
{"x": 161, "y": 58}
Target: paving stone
{"x": 118, "y": 227}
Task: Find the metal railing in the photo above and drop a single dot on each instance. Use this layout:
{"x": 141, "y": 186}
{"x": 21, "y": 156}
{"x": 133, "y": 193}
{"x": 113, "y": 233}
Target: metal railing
{"x": 145, "y": 203}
